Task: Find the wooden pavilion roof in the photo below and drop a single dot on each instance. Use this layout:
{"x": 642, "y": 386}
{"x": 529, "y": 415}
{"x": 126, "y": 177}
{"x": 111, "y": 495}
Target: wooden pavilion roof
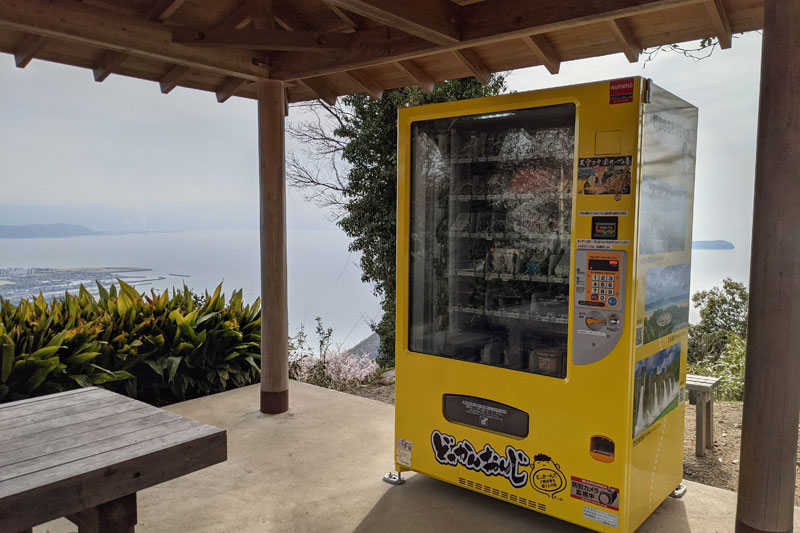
{"x": 327, "y": 48}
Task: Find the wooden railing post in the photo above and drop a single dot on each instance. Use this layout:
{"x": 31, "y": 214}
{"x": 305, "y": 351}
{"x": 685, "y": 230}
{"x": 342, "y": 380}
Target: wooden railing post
{"x": 772, "y": 372}
{"x": 272, "y": 206}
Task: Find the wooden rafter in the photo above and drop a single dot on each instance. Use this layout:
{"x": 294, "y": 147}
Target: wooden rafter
{"x": 173, "y": 78}
{"x": 228, "y": 88}
{"x": 366, "y": 82}
{"x": 75, "y": 21}
{"x": 626, "y": 39}
{"x": 261, "y": 14}
{"x": 474, "y": 64}
{"x": 354, "y": 21}
{"x": 719, "y": 19}
{"x": 320, "y": 88}
{"x": 416, "y": 74}
{"x": 26, "y": 49}
{"x": 481, "y": 23}
{"x": 163, "y": 9}
{"x": 432, "y": 20}
{"x": 106, "y": 64}
{"x": 287, "y": 17}
{"x": 236, "y": 19}
{"x": 310, "y": 41}
{"x": 544, "y": 52}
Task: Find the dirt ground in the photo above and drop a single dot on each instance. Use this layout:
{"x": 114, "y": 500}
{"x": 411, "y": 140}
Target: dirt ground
{"x": 719, "y": 467}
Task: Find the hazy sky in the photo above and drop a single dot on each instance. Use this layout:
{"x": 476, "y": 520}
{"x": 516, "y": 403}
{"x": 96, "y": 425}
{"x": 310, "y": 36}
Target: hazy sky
{"x": 66, "y": 139}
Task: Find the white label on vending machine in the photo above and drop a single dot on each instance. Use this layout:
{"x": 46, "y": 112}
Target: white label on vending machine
{"x": 590, "y": 513}
{"x": 404, "y": 449}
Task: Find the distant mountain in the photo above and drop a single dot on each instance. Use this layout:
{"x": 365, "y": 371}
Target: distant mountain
{"x": 368, "y": 346}
{"x": 33, "y": 231}
{"x": 712, "y": 245}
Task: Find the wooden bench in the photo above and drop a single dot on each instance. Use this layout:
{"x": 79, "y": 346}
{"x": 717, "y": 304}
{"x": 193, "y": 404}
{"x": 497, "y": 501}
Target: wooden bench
{"x": 84, "y": 454}
{"x": 701, "y": 393}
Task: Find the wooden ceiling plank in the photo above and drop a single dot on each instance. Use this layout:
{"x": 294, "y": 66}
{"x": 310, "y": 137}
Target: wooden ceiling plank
{"x": 626, "y": 39}
{"x": 288, "y": 18}
{"x": 26, "y": 49}
{"x": 321, "y": 88}
{"x": 544, "y": 51}
{"x": 265, "y": 40}
{"x": 261, "y": 14}
{"x": 481, "y": 23}
{"x": 719, "y": 19}
{"x": 106, "y": 64}
{"x": 161, "y": 10}
{"x": 474, "y": 64}
{"x": 236, "y": 19}
{"x": 432, "y": 20}
{"x": 417, "y": 75}
{"x": 354, "y": 21}
{"x": 228, "y": 88}
{"x": 75, "y": 21}
{"x": 173, "y": 78}
{"x": 366, "y": 82}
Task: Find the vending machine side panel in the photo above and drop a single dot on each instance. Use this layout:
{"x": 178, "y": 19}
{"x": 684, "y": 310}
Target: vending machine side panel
{"x": 669, "y": 138}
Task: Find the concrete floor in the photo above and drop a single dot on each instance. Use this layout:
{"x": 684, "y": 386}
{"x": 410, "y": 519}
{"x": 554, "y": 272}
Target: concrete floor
{"x": 318, "y": 468}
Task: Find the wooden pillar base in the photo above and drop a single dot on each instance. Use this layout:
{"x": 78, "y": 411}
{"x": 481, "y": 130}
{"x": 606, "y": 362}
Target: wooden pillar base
{"x": 116, "y": 516}
{"x": 744, "y": 528}
{"x": 273, "y": 403}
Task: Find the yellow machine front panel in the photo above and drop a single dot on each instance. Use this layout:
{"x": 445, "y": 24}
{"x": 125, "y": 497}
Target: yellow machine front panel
{"x": 517, "y": 300}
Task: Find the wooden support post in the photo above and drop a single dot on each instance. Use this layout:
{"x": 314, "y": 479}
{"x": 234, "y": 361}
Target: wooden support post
{"x": 700, "y": 425}
{"x": 772, "y": 397}
{"x": 116, "y": 516}
{"x": 272, "y": 202}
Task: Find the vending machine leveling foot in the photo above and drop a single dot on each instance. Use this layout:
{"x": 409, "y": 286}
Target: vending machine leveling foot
{"x": 394, "y": 478}
{"x": 679, "y": 491}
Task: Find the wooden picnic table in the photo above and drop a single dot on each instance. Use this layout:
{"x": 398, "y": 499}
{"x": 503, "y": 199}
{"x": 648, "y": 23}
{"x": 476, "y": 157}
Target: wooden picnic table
{"x": 83, "y": 454}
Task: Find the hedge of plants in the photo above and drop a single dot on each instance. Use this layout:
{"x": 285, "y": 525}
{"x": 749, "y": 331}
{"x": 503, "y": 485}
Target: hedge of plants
{"x": 157, "y": 347}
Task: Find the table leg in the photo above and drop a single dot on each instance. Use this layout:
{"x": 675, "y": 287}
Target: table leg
{"x": 116, "y": 516}
{"x": 700, "y": 423}
{"x": 710, "y": 422}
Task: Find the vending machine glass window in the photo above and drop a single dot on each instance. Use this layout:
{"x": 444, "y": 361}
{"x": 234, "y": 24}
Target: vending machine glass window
{"x": 491, "y": 211}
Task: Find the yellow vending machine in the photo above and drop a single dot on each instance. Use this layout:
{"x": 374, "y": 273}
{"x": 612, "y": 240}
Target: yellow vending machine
{"x": 544, "y": 248}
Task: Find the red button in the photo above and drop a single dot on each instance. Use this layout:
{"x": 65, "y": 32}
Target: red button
{"x": 594, "y": 297}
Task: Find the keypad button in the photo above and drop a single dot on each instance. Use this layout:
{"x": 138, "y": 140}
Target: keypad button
{"x": 594, "y": 297}
{"x": 602, "y": 298}
{"x": 595, "y": 284}
{"x": 594, "y": 276}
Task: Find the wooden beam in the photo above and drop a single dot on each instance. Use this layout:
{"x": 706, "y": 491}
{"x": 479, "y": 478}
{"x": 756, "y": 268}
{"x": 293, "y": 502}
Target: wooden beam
{"x": 321, "y": 88}
{"x": 432, "y": 20}
{"x": 625, "y": 38}
{"x": 719, "y": 19}
{"x": 366, "y": 82}
{"x": 228, "y": 88}
{"x": 474, "y": 64}
{"x": 261, "y": 14}
{"x": 161, "y": 10}
{"x": 269, "y": 40}
{"x": 354, "y": 21}
{"x": 27, "y": 48}
{"x": 79, "y": 22}
{"x": 416, "y": 75}
{"x": 236, "y": 19}
{"x": 173, "y": 78}
{"x": 481, "y": 23}
{"x": 106, "y": 65}
{"x": 272, "y": 225}
{"x": 544, "y": 52}
{"x": 768, "y": 463}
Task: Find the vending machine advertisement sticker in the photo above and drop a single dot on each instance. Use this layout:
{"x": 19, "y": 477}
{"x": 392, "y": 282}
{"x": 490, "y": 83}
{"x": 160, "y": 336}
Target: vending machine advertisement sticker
{"x": 605, "y": 175}
{"x": 593, "y": 492}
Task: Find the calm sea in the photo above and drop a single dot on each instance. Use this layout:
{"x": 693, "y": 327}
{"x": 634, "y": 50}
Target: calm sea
{"x": 324, "y": 279}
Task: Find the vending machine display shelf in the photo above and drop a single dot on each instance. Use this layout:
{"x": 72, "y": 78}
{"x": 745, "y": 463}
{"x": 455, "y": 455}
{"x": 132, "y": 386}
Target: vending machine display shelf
{"x": 563, "y": 195}
{"x": 533, "y": 317}
{"x": 469, "y": 273}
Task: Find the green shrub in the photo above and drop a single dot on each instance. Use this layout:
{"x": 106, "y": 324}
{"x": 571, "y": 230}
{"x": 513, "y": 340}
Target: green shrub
{"x": 159, "y": 348}
{"x": 729, "y": 367}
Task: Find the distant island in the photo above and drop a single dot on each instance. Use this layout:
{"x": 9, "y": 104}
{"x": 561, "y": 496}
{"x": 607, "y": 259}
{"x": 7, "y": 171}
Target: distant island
{"x": 34, "y": 231}
{"x": 712, "y": 245}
